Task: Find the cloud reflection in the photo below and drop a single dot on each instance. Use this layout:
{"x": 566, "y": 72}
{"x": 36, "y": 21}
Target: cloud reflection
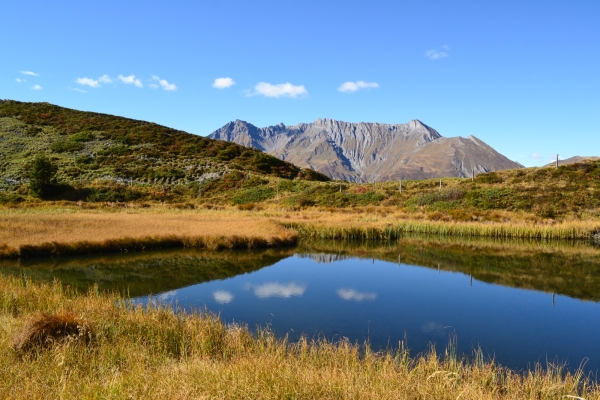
{"x": 222, "y": 296}
{"x": 166, "y": 295}
{"x": 351, "y": 294}
{"x": 275, "y": 289}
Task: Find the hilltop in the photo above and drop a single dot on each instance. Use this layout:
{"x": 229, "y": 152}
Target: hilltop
{"x": 368, "y": 152}
{"x": 573, "y": 160}
{"x": 96, "y": 154}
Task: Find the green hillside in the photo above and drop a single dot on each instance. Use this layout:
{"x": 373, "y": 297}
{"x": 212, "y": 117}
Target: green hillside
{"x": 101, "y": 157}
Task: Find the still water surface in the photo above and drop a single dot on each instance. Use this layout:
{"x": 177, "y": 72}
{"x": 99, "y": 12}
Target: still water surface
{"x": 520, "y": 304}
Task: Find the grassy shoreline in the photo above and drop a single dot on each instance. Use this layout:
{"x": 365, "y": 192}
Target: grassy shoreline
{"x": 160, "y": 353}
{"x": 54, "y": 231}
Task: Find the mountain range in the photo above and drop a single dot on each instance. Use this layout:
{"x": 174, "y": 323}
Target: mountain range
{"x": 367, "y": 152}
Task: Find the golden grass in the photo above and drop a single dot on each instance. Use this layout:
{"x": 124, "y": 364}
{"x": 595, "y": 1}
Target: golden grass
{"x": 158, "y": 353}
{"x": 54, "y": 232}
{"x": 387, "y": 224}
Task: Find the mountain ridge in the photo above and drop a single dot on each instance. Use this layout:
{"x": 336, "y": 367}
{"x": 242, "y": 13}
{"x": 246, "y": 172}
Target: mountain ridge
{"x": 366, "y": 151}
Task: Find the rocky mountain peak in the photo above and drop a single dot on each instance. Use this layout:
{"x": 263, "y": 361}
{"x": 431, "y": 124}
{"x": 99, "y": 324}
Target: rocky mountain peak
{"x": 365, "y": 151}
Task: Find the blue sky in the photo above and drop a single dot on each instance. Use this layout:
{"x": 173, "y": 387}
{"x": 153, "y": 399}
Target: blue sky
{"x": 522, "y": 76}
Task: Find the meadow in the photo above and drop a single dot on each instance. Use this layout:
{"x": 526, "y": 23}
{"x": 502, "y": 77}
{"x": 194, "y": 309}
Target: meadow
{"x": 56, "y": 343}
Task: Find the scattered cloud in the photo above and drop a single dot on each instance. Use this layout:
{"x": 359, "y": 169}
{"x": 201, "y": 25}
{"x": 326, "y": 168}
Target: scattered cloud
{"x": 19, "y": 80}
{"x": 222, "y": 296}
{"x": 535, "y": 156}
{"x": 29, "y": 73}
{"x": 436, "y": 54}
{"x": 36, "y": 87}
{"x": 223, "y": 83}
{"x": 88, "y": 82}
{"x": 351, "y": 294}
{"x": 153, "y": 86}
{"x": 130, "y": 80}
{"x": 164, "y": 84}
{"x": 105, "y": 79}
{"x": 78, "y": 90}
{"x": 354, "y": 86}
{"x": 279, "y": 90}
{"x": 276, "y": 289}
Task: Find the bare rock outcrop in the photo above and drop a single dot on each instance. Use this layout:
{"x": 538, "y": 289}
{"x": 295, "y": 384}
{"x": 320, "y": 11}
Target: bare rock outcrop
{"x": 365, "y": 152}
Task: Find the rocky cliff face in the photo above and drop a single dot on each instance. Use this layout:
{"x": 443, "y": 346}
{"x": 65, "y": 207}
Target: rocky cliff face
{"x": 365, "y": 152}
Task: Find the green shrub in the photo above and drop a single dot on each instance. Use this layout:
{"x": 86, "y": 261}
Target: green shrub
{"x": 229, "y": 153}
{"x": 491, "y": 198}
{"x": 42, "y": 181}
{"x": 254, "y": 181}
{"x": 489, "y": 177}
{"x": 115, "y": 150}
{"x": 66, "y": 146}
{"x": 253, "y": 195}
{"x": 82, "y": 137}
{"x": 112, "y": 195}
{"x": 10, "y": 198}
{"x": 369, "y": 198}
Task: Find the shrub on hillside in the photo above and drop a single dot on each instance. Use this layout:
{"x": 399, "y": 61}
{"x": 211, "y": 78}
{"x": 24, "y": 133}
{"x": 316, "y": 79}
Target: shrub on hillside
{"x": 253, "y": 195}
{"x": 66, "y": 146}
{"x": 42, "y": 181}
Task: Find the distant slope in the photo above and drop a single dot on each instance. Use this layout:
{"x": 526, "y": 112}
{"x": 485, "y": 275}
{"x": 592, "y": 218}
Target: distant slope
{"x": 365, "y": 152}
{"x": 573, "y": 160}
{"x": 89, "y": 146}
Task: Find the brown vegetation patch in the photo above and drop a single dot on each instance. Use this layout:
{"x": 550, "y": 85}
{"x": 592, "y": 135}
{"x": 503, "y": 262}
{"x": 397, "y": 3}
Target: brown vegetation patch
{"x": 44, "y": 329}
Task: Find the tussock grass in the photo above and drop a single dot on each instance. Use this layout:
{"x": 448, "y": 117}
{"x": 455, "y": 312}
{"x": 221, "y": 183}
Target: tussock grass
{"x": 161, "y": 353}
{"x": 44, "y": 329}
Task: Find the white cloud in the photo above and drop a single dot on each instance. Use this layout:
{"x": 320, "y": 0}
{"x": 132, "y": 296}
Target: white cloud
{"x": 36, "y": 87}
{"x": 78, "y": 90}
{"x": 105, "y": 79}
{"x": 351, "y": 294}
{"x": 164, "y": 84}
{"x": 354, "y": 86}
{"x": 29, "y": 73}
{"x": 88, "y": 82}
{"x": 153, "y": 86}
{"x": 20, "y": 80}
{"x": 280, "y": 90}
{"x": 130, "y": 80}
{"x": 223, "y": 83}
{"x": 436, "y": 54}
{"x": 535, "y": 156}
{"x": 276, "y": 289}
{"x": 222, "y": 296}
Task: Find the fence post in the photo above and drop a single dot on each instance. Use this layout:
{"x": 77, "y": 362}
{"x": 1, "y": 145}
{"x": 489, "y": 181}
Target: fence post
{"x": 473, "y": 176}
{"x": 557, "y": 161}
{"x": 440, "y": 184}
{"x": 401, "y": 185}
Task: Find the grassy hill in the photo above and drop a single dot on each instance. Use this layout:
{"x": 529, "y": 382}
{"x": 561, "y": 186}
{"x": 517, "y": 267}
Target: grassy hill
{"x": 106, "y": 158}
{"x": 102, "y": 158}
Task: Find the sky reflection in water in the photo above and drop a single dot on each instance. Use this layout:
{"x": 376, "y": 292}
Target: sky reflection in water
{"x": 385, "y": 302}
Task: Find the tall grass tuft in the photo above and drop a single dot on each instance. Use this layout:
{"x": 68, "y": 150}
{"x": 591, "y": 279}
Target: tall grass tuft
{"x": 44, "y": 329}
{"x": 398, "y": 230}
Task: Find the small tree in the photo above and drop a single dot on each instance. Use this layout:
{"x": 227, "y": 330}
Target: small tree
{"x": 42, "y": 176}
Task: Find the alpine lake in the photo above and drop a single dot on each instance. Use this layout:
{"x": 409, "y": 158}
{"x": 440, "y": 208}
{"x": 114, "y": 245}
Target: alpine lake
{"x": 521, "y": 302}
